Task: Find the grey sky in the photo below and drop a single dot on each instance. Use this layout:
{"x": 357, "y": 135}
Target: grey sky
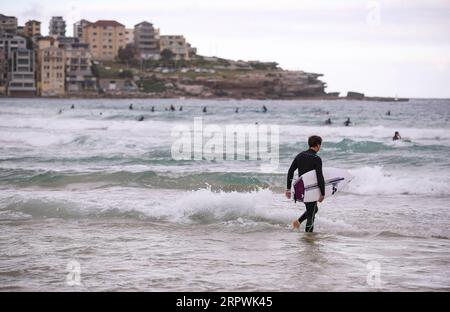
{"x": 389, "y": 47}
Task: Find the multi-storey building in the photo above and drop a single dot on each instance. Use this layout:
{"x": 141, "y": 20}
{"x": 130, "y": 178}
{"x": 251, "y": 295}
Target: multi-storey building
{"x": 78, "y": 28}
{"x": 79, "y": 77}
{"x": 32, "y": 28}
{"x": 3, "y": 72}
{"x": 21, "y": 30}
{"x": 105, "y": 38}
{"x": 176, "y": 44}
{"x": 57, "y": 26}
{"x": 129, "y": 36}
{"x": 146, "y": 40}
{"x": 8, "y": 44}
{"x": 51, "y": 68}
{"x": 192, "y": 51}
{"x": 22, "y": 73}
{"x": 8, "y": 25}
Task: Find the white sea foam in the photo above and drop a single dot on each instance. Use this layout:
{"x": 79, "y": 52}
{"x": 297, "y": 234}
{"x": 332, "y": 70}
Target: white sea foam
{"x": 336, "y": 134}
{"x": 376, "y": 181}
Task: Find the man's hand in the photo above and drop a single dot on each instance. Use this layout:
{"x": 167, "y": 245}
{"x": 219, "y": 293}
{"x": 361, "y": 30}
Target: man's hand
{"x": 288, "y": 194}
{"x": 321, "y": 198}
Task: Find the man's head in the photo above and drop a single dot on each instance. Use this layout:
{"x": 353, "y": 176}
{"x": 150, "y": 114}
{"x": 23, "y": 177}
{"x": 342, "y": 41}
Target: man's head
{"x": 315, "y": 142}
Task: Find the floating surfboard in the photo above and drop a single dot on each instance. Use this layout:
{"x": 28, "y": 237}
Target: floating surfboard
{"x": 306, "y": 189}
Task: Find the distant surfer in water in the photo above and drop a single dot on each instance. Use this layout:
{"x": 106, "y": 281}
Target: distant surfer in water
{"x": 328, "y": 121}
{"x": 131, "y": 107}
{"x": 397, "y": 136}
{"x": 205, "y": 110}
{"x": 265, "y": 110}
{"x": 305, "y": 162}
{"x": 348, "y": 122}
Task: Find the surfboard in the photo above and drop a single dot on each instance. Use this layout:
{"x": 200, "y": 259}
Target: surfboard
{"x": 306, "y": 188}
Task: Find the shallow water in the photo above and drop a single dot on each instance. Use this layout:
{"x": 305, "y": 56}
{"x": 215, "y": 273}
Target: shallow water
{"x": 103, "y": 191}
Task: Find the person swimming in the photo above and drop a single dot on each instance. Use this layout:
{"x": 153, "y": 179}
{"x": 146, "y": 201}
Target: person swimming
{"x": 60, "y": 112}
{"x": 348, "y": 122}
{"x": 141, "y": 118}
{"x": 397, "y": 136}
{"x": 328, "y": 121}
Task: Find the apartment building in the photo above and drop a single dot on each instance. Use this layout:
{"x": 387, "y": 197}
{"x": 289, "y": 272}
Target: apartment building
{"x": 57, "y": 26}
{"x": 191, "y": 50}
{"x": 3, "y": 72}
{"x": 8, "y": 25}
{"x": 32, "y": 28}
{"x": 8, "y": 44}
{"x": 22, "y": 73}
{"x": 79, "y": 77}
{"x": 129, "y": 36}
{"x": 51, "y": 68}
{"x": 176, "y": 44}
{"x": 78, "y": 28}
{"x": 105, "y": 38}
{"x": 146, "y": 40}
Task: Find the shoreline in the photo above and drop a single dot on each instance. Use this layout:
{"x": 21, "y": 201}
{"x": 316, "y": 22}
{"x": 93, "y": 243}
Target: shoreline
{"x": 150, "y": 97}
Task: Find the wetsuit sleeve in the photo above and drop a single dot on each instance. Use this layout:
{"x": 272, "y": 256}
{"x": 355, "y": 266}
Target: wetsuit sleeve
{"x": 320, "y": 178}
{"x": 291, "y": 173}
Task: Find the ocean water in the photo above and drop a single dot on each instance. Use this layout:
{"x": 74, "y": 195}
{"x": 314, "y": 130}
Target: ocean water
{"x": 92, "y": 200}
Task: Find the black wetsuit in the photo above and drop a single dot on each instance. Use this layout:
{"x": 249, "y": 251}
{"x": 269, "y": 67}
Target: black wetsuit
{"x": 306, "y": 162}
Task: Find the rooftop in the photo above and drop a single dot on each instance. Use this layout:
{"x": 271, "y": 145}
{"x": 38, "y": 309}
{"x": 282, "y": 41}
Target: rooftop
{"x": 4, "y": 16}
{"x": 145, "y": 23}
{"x": 105, "y": 23}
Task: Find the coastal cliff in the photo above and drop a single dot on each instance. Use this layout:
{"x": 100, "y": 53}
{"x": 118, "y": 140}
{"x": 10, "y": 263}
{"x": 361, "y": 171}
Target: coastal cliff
{"x": 209, "y": 78}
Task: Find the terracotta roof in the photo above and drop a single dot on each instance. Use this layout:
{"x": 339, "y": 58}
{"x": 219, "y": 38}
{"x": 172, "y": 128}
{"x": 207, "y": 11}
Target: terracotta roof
{"x": 105, "y": 23}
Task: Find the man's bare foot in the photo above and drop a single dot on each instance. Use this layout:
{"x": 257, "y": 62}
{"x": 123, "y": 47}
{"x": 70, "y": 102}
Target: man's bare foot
{"x": 296, "y": 225}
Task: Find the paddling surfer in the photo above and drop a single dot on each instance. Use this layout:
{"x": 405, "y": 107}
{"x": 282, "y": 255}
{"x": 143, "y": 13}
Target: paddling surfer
{"x": 306, "y": 162}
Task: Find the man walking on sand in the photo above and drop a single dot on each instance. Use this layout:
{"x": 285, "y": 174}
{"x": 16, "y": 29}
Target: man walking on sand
{"x": 305, "y": 162}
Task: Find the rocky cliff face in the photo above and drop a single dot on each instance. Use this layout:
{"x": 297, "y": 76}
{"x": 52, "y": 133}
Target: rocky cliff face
{"x": 258, "y": 85}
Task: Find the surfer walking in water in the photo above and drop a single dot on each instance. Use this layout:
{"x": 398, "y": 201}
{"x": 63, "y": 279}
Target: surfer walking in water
{"x": 305, "y": 162}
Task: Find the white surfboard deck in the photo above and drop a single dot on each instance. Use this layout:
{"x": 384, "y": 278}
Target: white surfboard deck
{"x": 308, "y": 188}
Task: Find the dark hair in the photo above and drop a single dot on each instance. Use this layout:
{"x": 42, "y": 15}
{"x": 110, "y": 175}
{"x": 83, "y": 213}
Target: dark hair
{"x": 314, "y": 141}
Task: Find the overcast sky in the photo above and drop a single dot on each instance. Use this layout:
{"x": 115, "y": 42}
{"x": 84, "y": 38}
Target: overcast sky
{"x": 388, "y": 47}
